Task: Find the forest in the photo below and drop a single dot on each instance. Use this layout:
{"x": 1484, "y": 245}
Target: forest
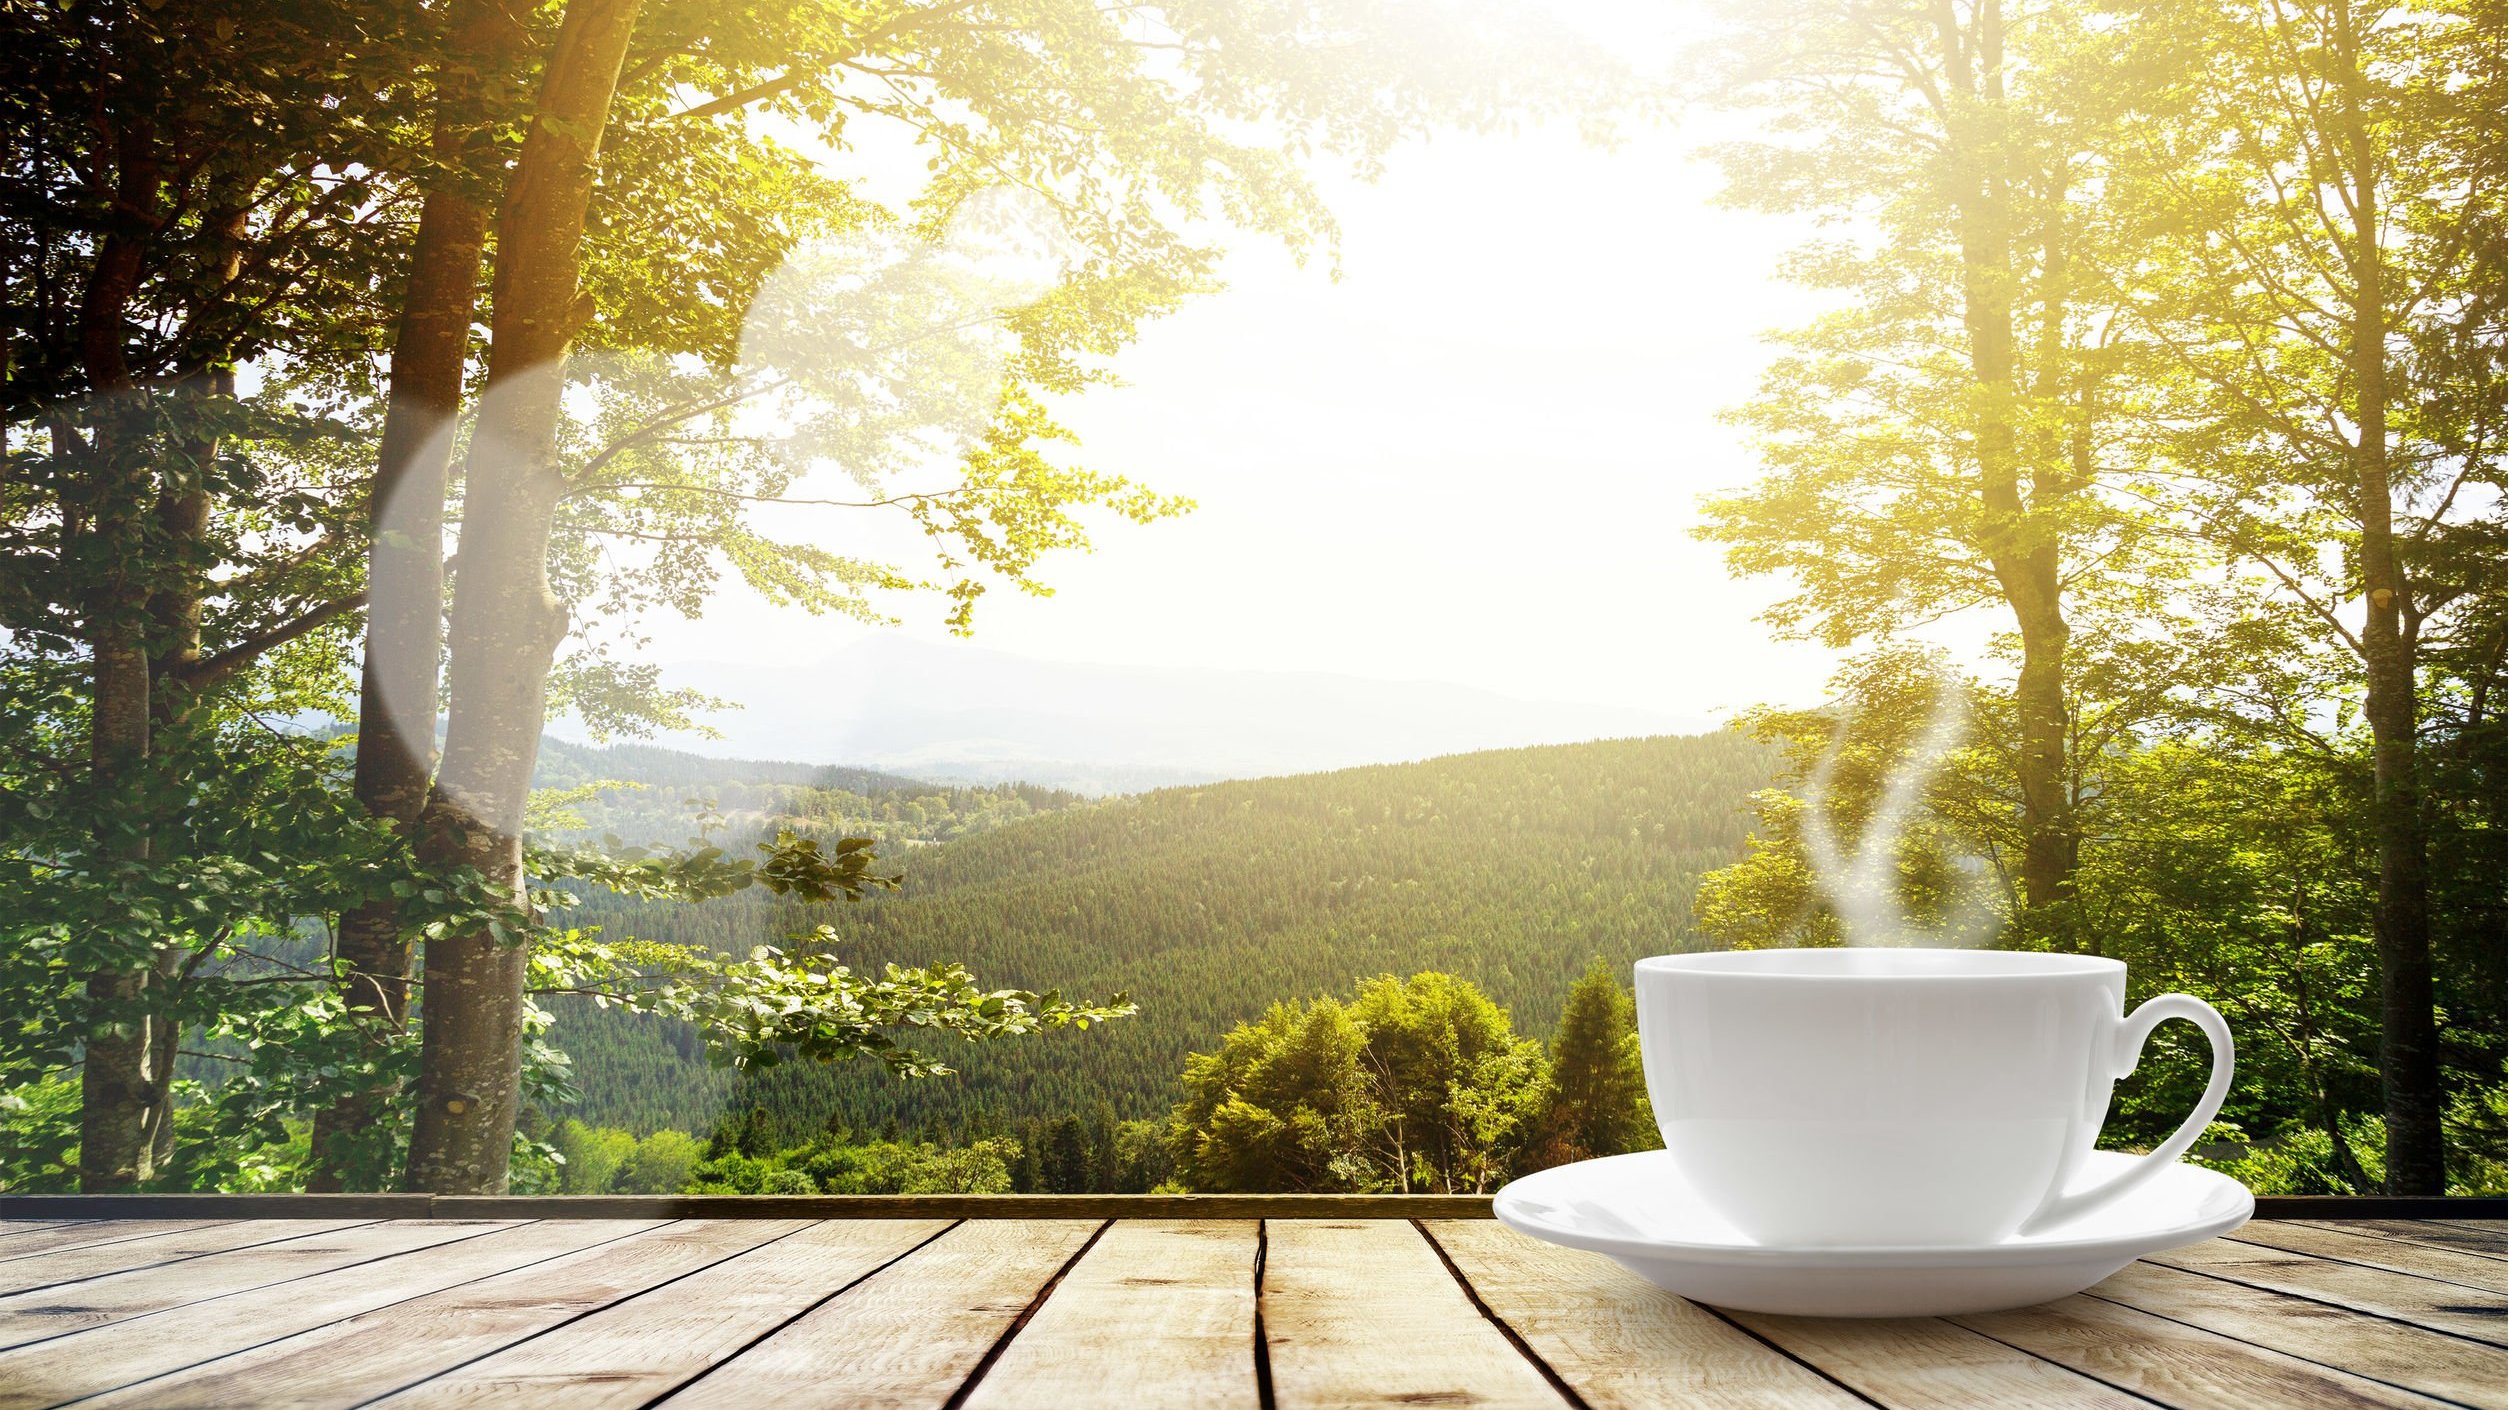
{"x": 1513, "y": 869}
{"x": 379, "y": 375}
{"x": 1417, "y": 1084}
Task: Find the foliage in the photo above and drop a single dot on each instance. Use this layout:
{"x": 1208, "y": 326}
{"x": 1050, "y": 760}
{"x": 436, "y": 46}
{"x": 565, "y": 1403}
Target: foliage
{"x": 1416, "y": 1084}
{"x": 835, "y": 1165}
{"x": 1508, "y": 868}
{"x": 661, "y": 1164}
{"x": 1596, "y": 1104}
{"x": 2221, "y": 861}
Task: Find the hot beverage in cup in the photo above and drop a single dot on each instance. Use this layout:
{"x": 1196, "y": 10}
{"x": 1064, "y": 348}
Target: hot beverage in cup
{"x": 1820, "y": 1098}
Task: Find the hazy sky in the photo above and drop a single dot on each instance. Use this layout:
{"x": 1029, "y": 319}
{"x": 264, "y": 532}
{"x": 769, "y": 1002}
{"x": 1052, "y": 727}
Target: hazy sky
{"x": 1476, "y": 458}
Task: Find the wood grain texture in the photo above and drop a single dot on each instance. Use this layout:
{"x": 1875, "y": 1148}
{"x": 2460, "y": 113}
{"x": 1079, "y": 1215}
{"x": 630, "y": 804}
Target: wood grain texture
{"x": 2420, "y": 1260}
{"x": 2180, "y": 1366}
{"x": 907, "y": 1337}
{"x": 69, "y": 1265}
{"x": 1618, "y": 1340}
{"x": 1162, "y": 1308}
{"x": 348, "y": 1362}
{"x": 2436, "y": 1233}
{"x": 98, "y": 1302}
{"x": 632, "y": 1352}
{"x": 1364, "y": 1313}
{"x": 2428, "y": 1302}
{"x": 1932, "y": 1365}
{"x": 216, "y": 1206}
{"x": 106, "y": 1358}
{"x": 49, "y": 1237}
{"x": 1005, "y": 1314}
{"x": 2432, "y": 1362}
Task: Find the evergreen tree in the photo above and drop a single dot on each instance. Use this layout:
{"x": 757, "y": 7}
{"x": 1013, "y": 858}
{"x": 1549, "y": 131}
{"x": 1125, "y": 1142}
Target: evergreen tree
{"x": 1598, "y": 1100}
{"x": 1066, "y": 1161}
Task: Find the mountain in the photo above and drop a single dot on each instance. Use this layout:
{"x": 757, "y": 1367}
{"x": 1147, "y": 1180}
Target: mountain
{"x": 564, "y": 764}
{"x": 1513, "y": 868}
{"x": 961, "y": 713}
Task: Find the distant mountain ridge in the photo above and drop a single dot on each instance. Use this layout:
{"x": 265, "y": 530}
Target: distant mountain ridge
{"x": 962, "y": 713}
{"x": 567, "y": 764}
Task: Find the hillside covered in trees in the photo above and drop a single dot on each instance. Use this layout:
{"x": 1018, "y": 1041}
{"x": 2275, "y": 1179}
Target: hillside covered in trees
{"x": 1512, "y": 869}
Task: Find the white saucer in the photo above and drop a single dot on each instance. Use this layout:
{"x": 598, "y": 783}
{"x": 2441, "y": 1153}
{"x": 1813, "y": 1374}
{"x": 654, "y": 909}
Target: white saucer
{"x": 1637, "y": 1209}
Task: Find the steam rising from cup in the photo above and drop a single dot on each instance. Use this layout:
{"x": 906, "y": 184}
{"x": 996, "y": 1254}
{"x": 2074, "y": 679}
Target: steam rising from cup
{"x": 1862, "y": 887}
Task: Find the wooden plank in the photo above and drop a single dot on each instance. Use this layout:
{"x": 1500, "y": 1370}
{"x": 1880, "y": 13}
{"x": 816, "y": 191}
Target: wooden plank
{"x": 70, "y": 1265}
{"x": 2431, "y": 1362}
{"x": 216, "y": 1206}
{"x": 627, "y": 1354}
{"x": 2471, "y": 1269}
{"x": 48, "y": 1238}
{"x": 907, "y": 1337}
{"x": 348, "y": 1362}
{"x": 105, "y": 1358}
{"x": 2181, "y": 1366}
{"x": 1927, "y": 1364}
{"x": 32, "y": 1224}
{"x": 34, "y": 1316}
{"x": 2435, "y": 1233}
{"x": 1366, "y": 1314}
{"x": 1162, "y": 1308}
{"x": 2427, "y": 1302}
{"x": 1618, "y": 1340}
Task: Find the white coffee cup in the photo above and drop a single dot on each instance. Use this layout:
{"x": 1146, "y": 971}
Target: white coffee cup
{"x": 1906, "y": 1097}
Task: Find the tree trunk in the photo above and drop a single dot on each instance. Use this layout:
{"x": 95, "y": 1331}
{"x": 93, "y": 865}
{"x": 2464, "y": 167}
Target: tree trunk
{"x": 405, "y": 573}
{"x": 175, "y": 611}
{"x": 181, "y": 591}
{"x": 506, "y": 622}
{"x": 115, "y": 1145}
{"x": 2022, "y": 551}
{"x": 2408, "y": 1018}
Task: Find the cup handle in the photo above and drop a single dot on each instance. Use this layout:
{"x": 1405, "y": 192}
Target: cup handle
{"x": 2125, "y": 1055}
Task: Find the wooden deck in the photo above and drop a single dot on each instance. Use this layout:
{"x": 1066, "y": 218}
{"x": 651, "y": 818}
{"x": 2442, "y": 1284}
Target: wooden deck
{"x": 991, "y": 1314}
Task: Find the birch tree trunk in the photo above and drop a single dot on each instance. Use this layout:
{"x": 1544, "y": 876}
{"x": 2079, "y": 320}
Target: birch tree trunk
{"x": 405, "y": 559}
{"x": 506, "y": 623}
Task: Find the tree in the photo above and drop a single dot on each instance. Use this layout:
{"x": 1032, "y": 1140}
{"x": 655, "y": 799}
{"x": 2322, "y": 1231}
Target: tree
{"x": 2324, "y": 260}
{"x": 188, "y": 199}
{"x": 1893, "y": 822}
{"x": 1067, "y": 1167}
{"x": 1018, "y": 97}
{"x": 403, "y": 523}
{"x": 1596, "y": 1104}
{"x": 1280, "y": 1105}
{"x": 659, "y": 1165}
{"x": 1418, "y": 1084}
{"x": 1936, "y": 443}
{"x": 593, "y": 1156}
